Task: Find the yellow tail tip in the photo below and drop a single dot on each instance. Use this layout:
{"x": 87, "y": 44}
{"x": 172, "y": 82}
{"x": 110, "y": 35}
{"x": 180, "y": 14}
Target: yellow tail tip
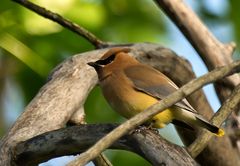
{"x": 220, "y": 133}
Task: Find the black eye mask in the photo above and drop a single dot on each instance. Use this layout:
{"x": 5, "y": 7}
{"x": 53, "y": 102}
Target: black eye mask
{"x": 106, "y": 61}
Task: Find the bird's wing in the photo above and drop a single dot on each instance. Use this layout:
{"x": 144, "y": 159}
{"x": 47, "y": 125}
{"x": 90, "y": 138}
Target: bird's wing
{"x": 154, "y": 83}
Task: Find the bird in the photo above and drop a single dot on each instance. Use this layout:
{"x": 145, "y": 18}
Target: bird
{"x": 131, "y": 87}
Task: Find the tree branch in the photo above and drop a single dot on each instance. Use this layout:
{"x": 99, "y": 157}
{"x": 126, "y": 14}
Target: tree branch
{"x": 226, "y": 109}
{"x": 76, "y": 139}
{"x": 214, "y": 54}
{"x": 64, "y": 22}
{"x": 70, "y": 82}
{"x": 140, "y": 118}
{"x": 191, "y": 35}
{"x": 219, "y": 150}
{"x": 77, "y": 117}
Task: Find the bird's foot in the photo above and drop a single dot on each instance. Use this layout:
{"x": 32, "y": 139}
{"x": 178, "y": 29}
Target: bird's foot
{"x": 141, "y": 128}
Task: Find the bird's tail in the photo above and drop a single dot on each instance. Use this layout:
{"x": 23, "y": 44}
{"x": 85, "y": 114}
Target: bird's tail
{"x": 214, "y": 129}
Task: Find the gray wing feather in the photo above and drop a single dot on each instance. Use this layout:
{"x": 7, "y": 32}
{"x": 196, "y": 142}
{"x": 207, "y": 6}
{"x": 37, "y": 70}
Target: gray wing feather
{"x": 154, "y": 83}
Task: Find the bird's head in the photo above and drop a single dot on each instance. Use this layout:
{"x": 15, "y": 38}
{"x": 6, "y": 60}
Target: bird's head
{"x": 116, "y": 58}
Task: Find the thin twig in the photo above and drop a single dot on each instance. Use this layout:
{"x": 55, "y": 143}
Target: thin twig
{"x": 140, "y": 118}
{"x": 69, "y": 25}
{"x": 64, "y": 22}
{"x": 228, "y": 106}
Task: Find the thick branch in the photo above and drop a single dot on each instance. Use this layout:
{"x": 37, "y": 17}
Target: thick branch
{"x": 156, "y": 108}
{"x": 226, "y": 109}
{"x": 219, "y": 150}
{"x": 70, "y": 83}
{"x": 76, "y": 139}
{"x": 213, "y": 52}
{"x": 64, "y": 22}
{"x": 64, "y": 95}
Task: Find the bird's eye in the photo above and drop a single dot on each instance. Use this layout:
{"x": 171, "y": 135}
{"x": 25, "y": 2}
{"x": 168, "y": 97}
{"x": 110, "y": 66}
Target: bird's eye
{"x": 107, "y": 60}
{"x": 110, "y": 58}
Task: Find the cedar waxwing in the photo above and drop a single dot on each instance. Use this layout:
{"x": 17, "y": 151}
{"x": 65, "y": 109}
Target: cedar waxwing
{"x": 131, "y": 87}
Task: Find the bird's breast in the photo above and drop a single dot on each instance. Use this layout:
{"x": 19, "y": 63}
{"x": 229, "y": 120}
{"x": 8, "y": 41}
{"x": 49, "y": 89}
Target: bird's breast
{"x": 127, "y": 101}
{"x": 121, "y": 95}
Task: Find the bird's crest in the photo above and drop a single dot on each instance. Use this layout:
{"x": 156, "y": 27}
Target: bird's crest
{"x": 114, "y": 51}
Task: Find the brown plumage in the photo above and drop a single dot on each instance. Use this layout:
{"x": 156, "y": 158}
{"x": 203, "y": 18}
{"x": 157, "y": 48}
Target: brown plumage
{"x": 131, "y": 87}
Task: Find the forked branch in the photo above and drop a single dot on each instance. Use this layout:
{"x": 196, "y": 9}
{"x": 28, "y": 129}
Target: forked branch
{"x": 140, "y": 118}
{"x": 226, "y": 109}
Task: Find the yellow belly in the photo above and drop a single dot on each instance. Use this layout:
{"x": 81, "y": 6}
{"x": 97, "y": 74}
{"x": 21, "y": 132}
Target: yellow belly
{"x": 141, "y": 101}
{"x": 163, "y": 118}
{"x": 129, "y": 102}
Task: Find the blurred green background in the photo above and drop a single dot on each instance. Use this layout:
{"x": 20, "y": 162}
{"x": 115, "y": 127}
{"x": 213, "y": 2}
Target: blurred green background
{"x": 30, "y": 46}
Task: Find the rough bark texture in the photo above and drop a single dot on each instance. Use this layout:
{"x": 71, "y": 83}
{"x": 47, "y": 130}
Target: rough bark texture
{"x": 76, "y": 139}
{"x": 219, "y": 117}
{"x": 214, "y": 54}
{"x": 220, "y": 150}
{"x": 65, "y": 92}
{"x": 60, "y": 98}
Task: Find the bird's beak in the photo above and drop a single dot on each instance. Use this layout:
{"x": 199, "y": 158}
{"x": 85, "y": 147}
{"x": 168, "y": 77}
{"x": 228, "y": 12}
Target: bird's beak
{"x": 94, "y": 65}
